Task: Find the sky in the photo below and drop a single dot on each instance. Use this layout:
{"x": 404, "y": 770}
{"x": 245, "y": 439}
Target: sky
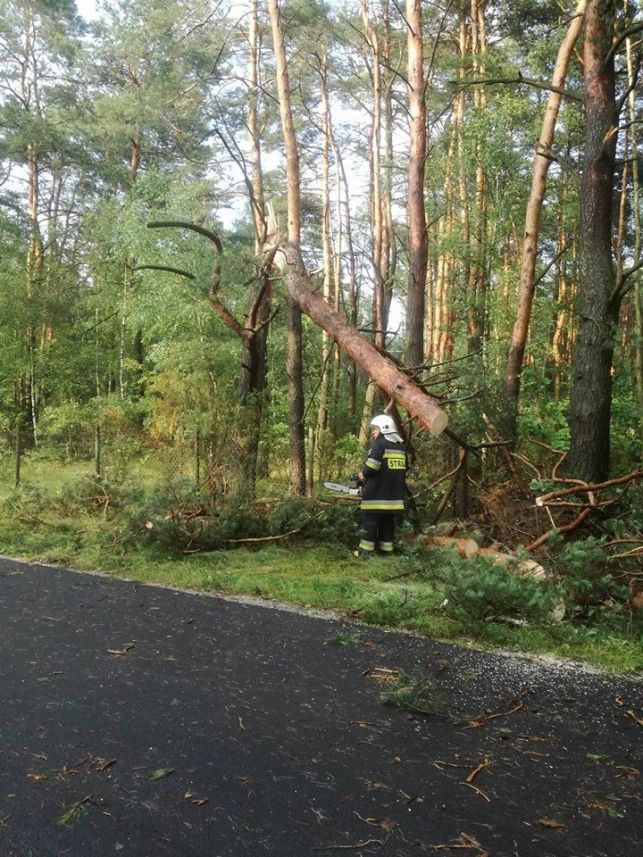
{"x": 86, "y": 8}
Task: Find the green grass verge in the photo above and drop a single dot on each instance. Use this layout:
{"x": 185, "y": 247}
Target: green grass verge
{"x": 379, "y": 592}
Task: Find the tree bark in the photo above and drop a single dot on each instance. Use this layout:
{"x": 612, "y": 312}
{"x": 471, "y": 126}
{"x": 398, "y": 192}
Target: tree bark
{"x": 591, "y": 393}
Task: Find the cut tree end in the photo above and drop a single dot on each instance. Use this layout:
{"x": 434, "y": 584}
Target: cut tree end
{"x": 438, "y": 423}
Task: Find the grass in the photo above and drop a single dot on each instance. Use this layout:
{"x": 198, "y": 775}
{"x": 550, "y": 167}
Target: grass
{"x": 393, "y": 592}
{"x": 326, "y": 577}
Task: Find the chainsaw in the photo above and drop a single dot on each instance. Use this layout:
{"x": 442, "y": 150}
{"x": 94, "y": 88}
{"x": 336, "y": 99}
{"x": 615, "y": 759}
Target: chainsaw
{"x": 354, "y": 489}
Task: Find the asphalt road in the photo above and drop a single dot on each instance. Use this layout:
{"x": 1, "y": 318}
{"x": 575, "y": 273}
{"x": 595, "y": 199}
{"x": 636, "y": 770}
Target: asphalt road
{"x": 146, "y": 722}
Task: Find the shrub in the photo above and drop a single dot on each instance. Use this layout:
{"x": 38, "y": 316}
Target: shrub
{"x": 588, "y": 578}
{"x": 180, "y": 520}
{"x": 481, "y": 591}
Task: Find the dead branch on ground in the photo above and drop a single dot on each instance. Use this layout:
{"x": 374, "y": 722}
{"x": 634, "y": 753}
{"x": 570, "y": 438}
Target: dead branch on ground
{"x": 273, "y": 538}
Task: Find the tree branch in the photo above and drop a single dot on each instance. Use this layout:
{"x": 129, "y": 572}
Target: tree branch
{"x": 630, "y": 31}
{"x": 565, "y": 528}
{"x": 182, "y": 224}
{"x": 167, "y": 268}
{"x": 588, "y": 489}
{"x": 542, "y": 274}
{"x": 620, "y": 291}
{"x": 221, "y": 310}
{"x": 537, "y": 84}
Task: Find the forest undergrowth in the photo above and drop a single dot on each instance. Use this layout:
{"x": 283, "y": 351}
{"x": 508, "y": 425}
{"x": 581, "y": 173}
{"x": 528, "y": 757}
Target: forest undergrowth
{"x": 577, "y": 595}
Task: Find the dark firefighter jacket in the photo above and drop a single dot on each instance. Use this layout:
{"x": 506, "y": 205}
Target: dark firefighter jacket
{"x": 385, "y": 473}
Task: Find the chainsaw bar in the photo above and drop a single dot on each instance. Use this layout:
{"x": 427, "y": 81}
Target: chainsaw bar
{"x": 342, "y": 489}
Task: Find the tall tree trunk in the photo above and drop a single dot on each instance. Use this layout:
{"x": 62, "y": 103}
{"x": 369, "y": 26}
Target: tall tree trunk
{"x": 35, "y": 266}
{"x": 128, "y": 275}
{"x": 477, "y": 283}
{"x": 294, "y": 362}
{"x": 252, "y": 375}
{"x": 562, "y": 333}
{"x": 541, "y": 163}
{"x": 378, "y": 312}
{"x": 591, "y": 393}
{"x": 329, "y": 263}
{"x": 418, "y": 247}
{"x": 448, "y": 225}
{"x": 637, "y": 294}
{"x": 376, "y": 207}
{"x": 351, "y": 265}
{"x": 461, "y": 105}
{"x": 388, "y": 260}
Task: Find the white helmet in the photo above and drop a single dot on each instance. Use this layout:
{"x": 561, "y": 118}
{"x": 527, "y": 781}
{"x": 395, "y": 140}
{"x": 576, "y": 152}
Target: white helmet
{"x": 384, "y": 423}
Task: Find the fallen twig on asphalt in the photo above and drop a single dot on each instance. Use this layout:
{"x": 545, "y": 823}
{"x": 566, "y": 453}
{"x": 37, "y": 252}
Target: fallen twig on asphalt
{"x": 483, "y": 718}
{"x": 464, "y": 842}
{"x": 357, "y": 845}
{"x": 474, "y": 773}
{"x": 478, "y": 791}
{"x": 631, "y": 714}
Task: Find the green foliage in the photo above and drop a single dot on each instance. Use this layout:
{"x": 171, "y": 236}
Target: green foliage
{"x": 89, "y": 523}
{"x": 628, "y": 516}
{"x": 407, "y": 602}
{"x": 338, "y": 456}
{"x": 542, "y": 417}
{"x": 75, "y": 812}
{"x": 481, "y": 591}
{"x": 313, "y": 520}
{"x": 72, "y": 501}
{"x": 626, "y": 422}
{"x": 414, "y": 693}
{"x": 590, "y": 583}
{"x": 91, "y": 495}
{"x": 345, "y": 640}
{"x": 160, "y": 774}
{"x": 175, "y": 518}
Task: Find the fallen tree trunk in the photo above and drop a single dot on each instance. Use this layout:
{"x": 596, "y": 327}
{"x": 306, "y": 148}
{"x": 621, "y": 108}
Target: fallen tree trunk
{"x": 393, "y": 383}
{"x": 467, "y": 548}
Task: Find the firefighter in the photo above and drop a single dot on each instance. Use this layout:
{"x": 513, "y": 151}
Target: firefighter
{"x": 383, "y": 480}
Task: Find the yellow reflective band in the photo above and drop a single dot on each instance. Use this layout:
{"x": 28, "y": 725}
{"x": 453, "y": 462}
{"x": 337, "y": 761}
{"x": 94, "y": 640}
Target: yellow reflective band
{"x": 382, "y": 505}
{"x": 373, "y": 463}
